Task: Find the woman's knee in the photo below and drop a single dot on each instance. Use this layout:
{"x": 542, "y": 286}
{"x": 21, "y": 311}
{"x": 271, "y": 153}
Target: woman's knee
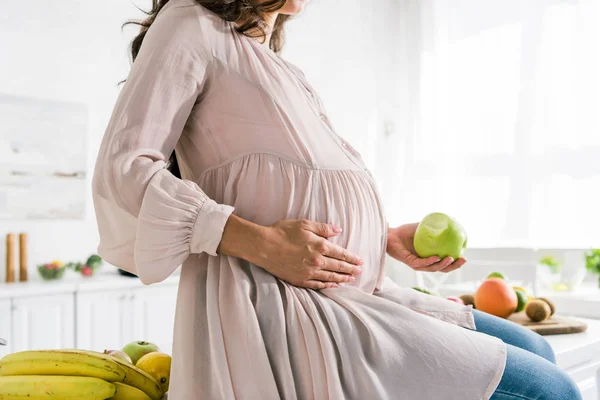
{"x": 514, "y": 334}
{"x": 527, "y": 376}
{"x": 561, "y": 387}
{"x": 537, "y": 344}
{"x": 564, "y": 388}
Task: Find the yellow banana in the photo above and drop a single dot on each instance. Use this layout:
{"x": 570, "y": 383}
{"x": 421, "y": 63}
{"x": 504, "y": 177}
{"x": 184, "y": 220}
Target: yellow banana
{"x": 138, "y": 379}
{"x": 126, "y": 392}
{"x": 39, "y": 387}
{"x": 80, "y": 363}
{"x": 58, "y": 362}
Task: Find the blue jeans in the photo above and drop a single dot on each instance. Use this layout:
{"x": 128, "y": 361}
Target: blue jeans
{"x": 531, "y": 372}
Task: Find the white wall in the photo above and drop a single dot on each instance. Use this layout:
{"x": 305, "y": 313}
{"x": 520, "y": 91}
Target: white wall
{"x": 347, "y": 50}
{"x": 72, "y": 51}
{"x": 75, "y": 51}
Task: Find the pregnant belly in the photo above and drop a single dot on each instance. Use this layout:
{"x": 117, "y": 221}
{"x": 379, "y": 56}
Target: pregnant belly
{"x": 350, "y": 200}
{"x": 265, "y": 189}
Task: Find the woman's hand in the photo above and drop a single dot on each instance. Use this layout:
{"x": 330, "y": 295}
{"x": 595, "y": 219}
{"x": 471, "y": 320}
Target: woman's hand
{"x": 296, "y": 251}
{"x": 400, "y": 246}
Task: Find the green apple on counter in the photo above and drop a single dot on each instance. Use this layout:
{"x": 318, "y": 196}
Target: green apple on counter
{"x": 440, "y": 235}
{"x": 138, "y": 349}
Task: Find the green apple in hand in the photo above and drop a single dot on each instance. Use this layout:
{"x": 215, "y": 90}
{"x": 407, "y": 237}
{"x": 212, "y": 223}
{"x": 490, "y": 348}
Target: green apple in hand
{"x": 440, "y": 235}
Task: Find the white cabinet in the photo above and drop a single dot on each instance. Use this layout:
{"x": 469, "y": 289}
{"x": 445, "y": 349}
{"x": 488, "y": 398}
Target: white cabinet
{"x": 104, "y": 312}
{"x": 111, "y": 319}
{"x": 154, "y": 315}
{"x": 5, "y": 326}
{"x": 579, "y": 356}
{"x": 104, "y": 320}
{"x": 43, "y": 322}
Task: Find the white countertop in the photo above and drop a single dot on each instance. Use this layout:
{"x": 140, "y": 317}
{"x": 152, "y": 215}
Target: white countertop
{"x": 563, "y": 344}
{"x": 105, "y": 279}
{"x": 578, "y": 354}
{"x": 586, "y": 291}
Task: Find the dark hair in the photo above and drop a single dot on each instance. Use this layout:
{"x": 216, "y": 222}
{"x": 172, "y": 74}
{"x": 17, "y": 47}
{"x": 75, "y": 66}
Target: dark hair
{"x": 248, "y": 13}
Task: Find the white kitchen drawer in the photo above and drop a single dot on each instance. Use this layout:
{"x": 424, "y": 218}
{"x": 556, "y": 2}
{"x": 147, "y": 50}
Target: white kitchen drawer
{"x": 43, "y": 322}
{"x": 5, "y": 326}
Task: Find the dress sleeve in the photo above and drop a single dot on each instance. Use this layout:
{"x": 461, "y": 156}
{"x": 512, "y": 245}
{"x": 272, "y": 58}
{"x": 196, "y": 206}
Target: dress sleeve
{"x": 149, "y": 221}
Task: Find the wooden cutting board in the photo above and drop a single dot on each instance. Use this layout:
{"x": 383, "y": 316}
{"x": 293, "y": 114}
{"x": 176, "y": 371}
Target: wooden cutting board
{"x": 556, "y": 325}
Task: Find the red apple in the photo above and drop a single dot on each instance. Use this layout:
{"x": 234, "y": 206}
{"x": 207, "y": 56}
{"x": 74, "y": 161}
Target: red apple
{"x": 119, "y": 354}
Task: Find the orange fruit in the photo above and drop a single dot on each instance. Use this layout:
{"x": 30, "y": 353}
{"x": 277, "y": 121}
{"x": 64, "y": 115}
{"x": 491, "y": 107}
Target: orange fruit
{"x": 494, "y": 296}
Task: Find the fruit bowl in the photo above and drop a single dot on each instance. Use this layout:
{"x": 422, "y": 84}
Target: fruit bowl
{"x": 52, "y": 271}
{"x": 572, "y": 278}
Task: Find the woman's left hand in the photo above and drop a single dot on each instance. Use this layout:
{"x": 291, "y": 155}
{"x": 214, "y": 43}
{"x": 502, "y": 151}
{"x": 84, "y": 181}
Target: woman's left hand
{"x": 400, "y": 246}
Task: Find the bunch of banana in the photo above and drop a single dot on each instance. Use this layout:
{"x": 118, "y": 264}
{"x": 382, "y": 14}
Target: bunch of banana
{"x": 126, "y": 392}
{"x": 38, "y": 387}
{"x": 63, "y": 367}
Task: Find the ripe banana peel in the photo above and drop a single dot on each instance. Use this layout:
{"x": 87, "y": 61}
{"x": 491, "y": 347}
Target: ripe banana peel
{"x": 46, "y": 387}
{"x": 59, "y": 362}
{"x": 79, "y": 363}
{"x": 126, "y": 392}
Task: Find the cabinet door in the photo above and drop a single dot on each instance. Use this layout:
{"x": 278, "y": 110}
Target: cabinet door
{"x": 5, "y": 326}
{"x": 43, "y": 322}
{"x": 104, "y": 320}
{"x": 154, "y": 315}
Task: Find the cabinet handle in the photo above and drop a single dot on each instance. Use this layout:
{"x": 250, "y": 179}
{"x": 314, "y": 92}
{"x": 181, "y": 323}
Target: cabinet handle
{"x": 132, "y": 296}
{"x": 122, "y": 297}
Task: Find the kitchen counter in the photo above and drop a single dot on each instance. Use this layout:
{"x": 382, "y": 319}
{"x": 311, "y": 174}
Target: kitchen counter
{"x": 579, "y": 355}
{"x": 583, "y": 302}
{"x": 104, "y": 311}
{"x": 106, "y": 278}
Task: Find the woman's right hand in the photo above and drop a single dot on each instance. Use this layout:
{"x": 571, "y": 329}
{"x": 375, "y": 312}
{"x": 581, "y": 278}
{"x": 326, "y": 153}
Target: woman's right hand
{"x": 298, "y": 252}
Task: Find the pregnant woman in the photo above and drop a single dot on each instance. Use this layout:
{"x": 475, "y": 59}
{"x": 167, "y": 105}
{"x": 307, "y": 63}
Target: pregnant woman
{"x": 274, "y": 302}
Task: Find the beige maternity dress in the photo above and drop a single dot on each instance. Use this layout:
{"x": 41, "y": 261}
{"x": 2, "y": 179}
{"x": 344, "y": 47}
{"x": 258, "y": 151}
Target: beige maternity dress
{"x": 252, "y": 138}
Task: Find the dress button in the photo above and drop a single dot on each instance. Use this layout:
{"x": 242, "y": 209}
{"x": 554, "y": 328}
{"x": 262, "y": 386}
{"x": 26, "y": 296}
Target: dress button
{"x": 344, "y": 145}
{"x": 323, "y": 117}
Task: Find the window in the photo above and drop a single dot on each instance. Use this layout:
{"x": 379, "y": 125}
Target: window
{"x": 499, "y": 109}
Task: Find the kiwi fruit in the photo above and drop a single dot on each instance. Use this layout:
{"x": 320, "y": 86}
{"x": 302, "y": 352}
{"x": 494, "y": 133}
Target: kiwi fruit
{"x": 550, "y": 304}
{"x": 537, "y": 310}
{"x": 468, "y": 299}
